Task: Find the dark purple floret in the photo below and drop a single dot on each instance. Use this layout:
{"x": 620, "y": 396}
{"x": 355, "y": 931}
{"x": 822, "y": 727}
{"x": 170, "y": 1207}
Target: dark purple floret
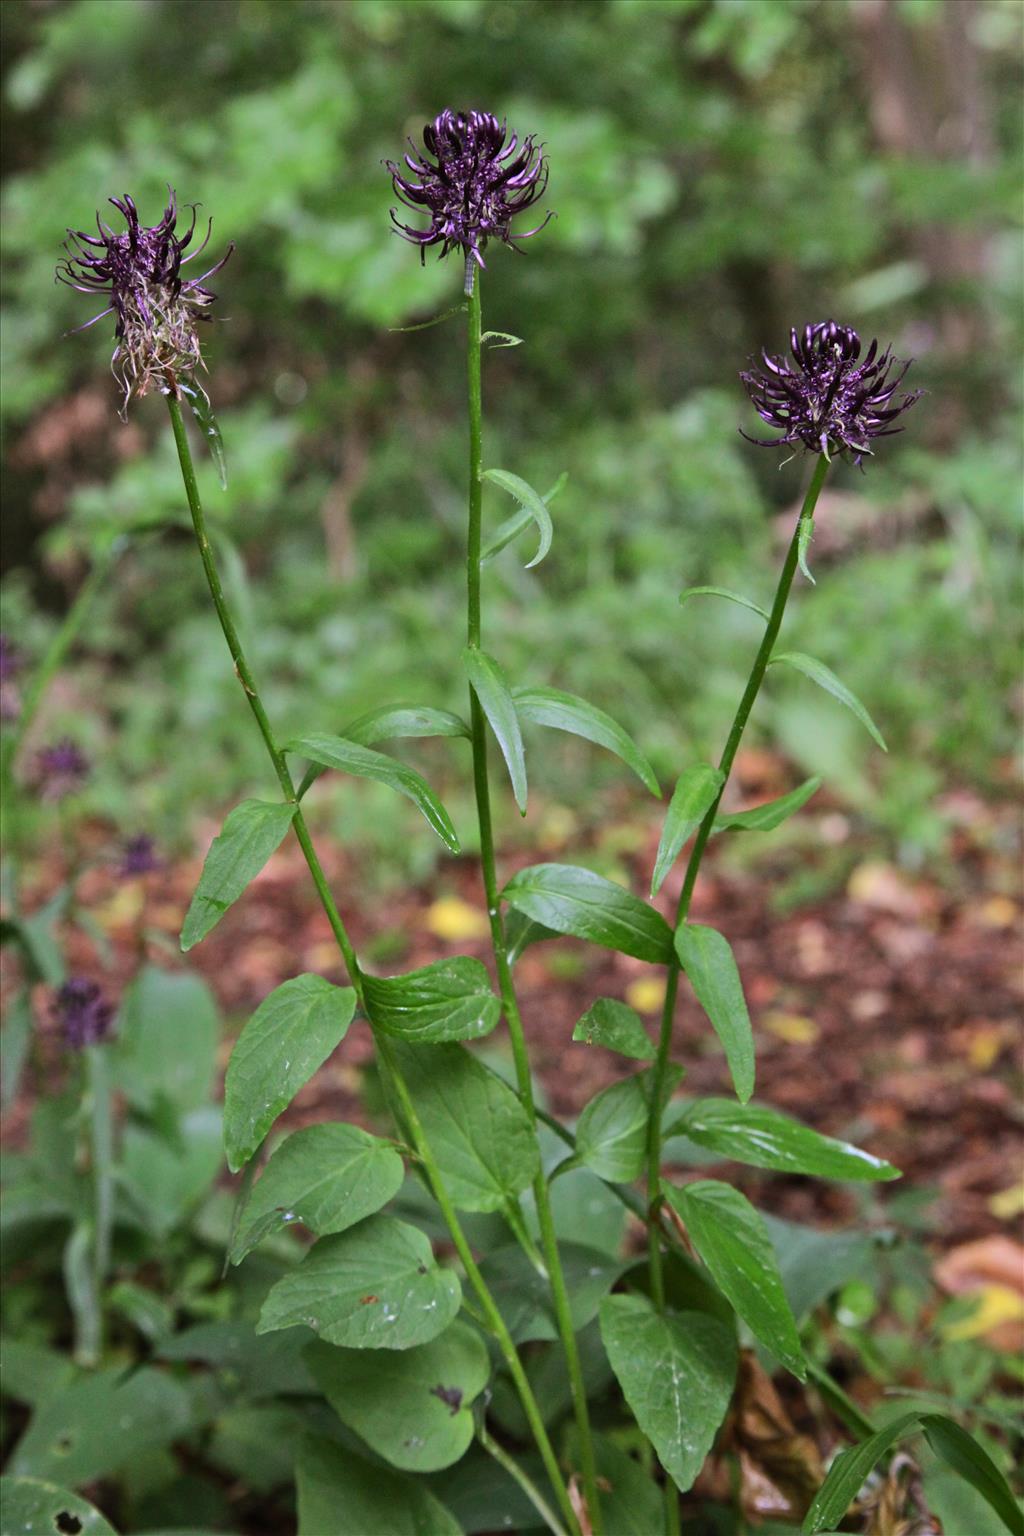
{"x": 473, "y": 186}
{"x": 833, "y": 401}
{"x": 138, "y": 857}
{"x": 83, "y": 1013}
{"x": 139, "y": 272}
{"x": 60, "y": 769}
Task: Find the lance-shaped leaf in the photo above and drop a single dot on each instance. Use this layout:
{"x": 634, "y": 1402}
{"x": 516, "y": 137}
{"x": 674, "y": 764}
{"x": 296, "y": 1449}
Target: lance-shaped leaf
{"x": 733, "y": 1242}
{"x": 972, "y": 1462}
{"x": 491, "y": 688}
{"x": 290, "y": 1035}
{"x": 707, "y": 959}
{"x": 677, "y": 1374}
{"x": 513, "y": 526}
{"x": 765, "y": 818}
{"x": 617, "y": 1027}
{"x": 694, "y": 794}
{"x": 805, "y": 533}
{"x": 448, "y": 1000}
{"x": 327, "y": 1176}
{"x": 576, "y": 901}
{"x": 825, "y": 678}
{"x": 531, "y": 503}
{"x": 733, "y": 597}
{"x": 566, "y": 712}
{"x": 754, "y": 1134}
{"x": 393, "y": 723}
{"x": 251, "y": 833}
{"x": 350, "y": 757}
{"x": 347, "y": 1496}
{"x": 611, "y": 1137}
{"x": 414, "y": 1408}
{"x": 376, "y": 1286}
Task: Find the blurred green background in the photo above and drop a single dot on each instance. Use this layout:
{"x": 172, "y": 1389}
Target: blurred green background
{"x": 721, "y": 169}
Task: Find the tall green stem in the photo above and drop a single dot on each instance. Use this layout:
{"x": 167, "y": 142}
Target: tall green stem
{"x": 382, "y": 1044}
{"x": 506, "y": 986}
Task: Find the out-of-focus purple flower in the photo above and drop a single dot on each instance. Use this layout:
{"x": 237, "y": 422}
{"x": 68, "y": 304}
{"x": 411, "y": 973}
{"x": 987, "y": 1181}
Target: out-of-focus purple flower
{"x": 473, "y": 186}
{"x": 833, "y": 401}
{"x": 139, "y": 271}
{"x": 83, "y": 1013}
{"x": 11, "y": 663}
{"x": 61, "y": 769}
{"x": 138, "y": 857}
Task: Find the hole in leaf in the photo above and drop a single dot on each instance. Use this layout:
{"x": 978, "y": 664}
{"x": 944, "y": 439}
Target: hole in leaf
{"x": 66, "y": 1523}
{"x": 64, "y": 1443}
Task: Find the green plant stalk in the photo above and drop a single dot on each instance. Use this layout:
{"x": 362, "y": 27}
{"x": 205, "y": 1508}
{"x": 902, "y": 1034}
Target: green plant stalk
{"x": 101, "y": 1127}
{"x": 506, "y": 986}
{"x": 660, "y": 1069}
{"x": 383, "y": 1046}
{"x": 515, "y": 1471}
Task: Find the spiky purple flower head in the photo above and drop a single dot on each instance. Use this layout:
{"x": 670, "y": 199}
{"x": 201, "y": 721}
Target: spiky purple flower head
{"x": 60, "y": 769}
{"x": 139, "y": 271}
{"x": 471, "y": 183}
{"x": 83, "y": 1013}
{"x": 833, "y": 401}
{"x": 138, "y": 857}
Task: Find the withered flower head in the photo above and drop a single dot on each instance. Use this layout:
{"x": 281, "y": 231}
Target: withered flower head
{"x": 473, "y": 186}
{"x": 833, "y": 401}
{"x": 157, "y": 308}
{"x": 60, "y": 770}
{"x": 83, "y": 1013}
{"x": 138, "y": 857}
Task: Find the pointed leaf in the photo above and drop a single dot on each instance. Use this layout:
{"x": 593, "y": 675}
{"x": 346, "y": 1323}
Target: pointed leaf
{"x": 523, "y": 1294}
{"x": 677, "y": 1374}
{"x": 696, "y": 790}
{"x": 488, "y": 683}
{"x": 251, "y": 833}
{"x": 347, "y": 1496}
{"x": 566, "y": 712}
{"x": 962, "y": 1452}
{"x": 427, "y": 325}
{"x": 611, "y": 1137}
{"x": 733, "y": 1242}
{"x": 707, "y": 959}
{"x": 521, "y": 931}
{"x": 202, "y": 410}
{"x": 376, "y": 1286}
{"x": 761, "y": 1137}
{"x": 31, "y": 1505}
{"x": 578, "y": 902}
{"x": 327, "y": 1176}
{"x": 404, "y": 721}
{"x": 513, "y": 526}
{"x": 616, "y": 1026}
{"x": 448, "y": 1000}
{"x": 765, "y": 818}
{"x": 290, "y": 1035}
{"x": 350, "y": 757}
{"x": 530, "y": 502}
{"x": 820, "y": 674}
{"x": 805, "y": 533}
{"x": 502, "y": 339}
{"x": 849, "y": 1472}
{"x": 733, "y": 597}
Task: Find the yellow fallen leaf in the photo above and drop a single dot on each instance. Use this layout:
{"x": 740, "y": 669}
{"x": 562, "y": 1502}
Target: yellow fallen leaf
{"x": 123, "y": 908}
{"x": 998, "y": 912}
{"x": 996, "y": 1304}
{"x": 647, "y": 994}
{"x": 454, "y": 919}
{"x": 1008, "y": 1203}
{"x": 791, "y": 1027}
{"x": 985, "y": 1044}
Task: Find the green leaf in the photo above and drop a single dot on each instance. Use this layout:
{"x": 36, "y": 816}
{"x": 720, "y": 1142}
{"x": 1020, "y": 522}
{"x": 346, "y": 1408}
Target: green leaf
{"x": 475, "y": 1124}
{"x": 616, "y": 1026}
{"x": 250, "y": 1365}
{"x": 364, "y": 763}
{"x": 566, "y": 712}
{"x": 611, "y": 1137}
{"x": 327, "y": 1176}
{"x": 965, "y": 1456}
{"x": 707, "y": 959}
{"x": 694, "y": 795}
{"x": 733, "y": 1242}
{"x": 15, "y": 1039}
{"x": 166, "y": 1180}
{"x": 37, "y": 935}
{"x": 805, "y": 533}
{"x": 513, "y": 526}
{"x": 632, "y": 1503}
{"x": 345, "y": 1495}
{"x": 765, "y": 818}
{"x": 448, "y": 1000}
{"x": 530, "y": 502}
{"x": 202, "y": 410}
{"x": 256, "y": 1443}
{"x": 70, "y": 1435}
{"x": 290, "y": 1035}
{"x": 733, "y": 597}
{"x": 848, "y": 1473}
{"x": 521, "y": 931}
{"x": 415, "y": 1408}
{"x": 488, "y": 683}
{"x": 32, "y": 1505}
{"x": 404, "y": 721}
{"x": 814, "y": 1264}
{"x": 524, "y": 1295}
{"x": 502, "y": 339}
{"x": 31, "y": 1372}
{"x": 763, "y": 1138}
{"x": 427, "y": 325}
{"x": 820, "y": 674}
{"x": 578, "y": 902}
{"x": 167, "y": 1039}
{"x": 376, "y": 1286}
{"x": 251, "y": 833}
{"x": 677, "y": 1374}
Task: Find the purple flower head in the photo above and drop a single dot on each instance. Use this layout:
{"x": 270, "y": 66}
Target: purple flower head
{"x": 833, "y": 401}
{"x": 471, "y": 183}
{"x": 11, "y": 663}
{"x": 139, "y": 272}
{"x": 60, "y": 769}
{"x": 138, "y": 857}
{"x": 83, "y": 1013}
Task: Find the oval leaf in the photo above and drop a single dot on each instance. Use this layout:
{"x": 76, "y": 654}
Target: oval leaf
{"x": 31, "y": 1505}
{"x": 290, "y": 1035}
{"x": 695, "y": 793}
{"x": 530, "y": 502}
{"x": 488, "y": 683}
{"x": 167, "y": 1039}
{"x": 733, "y": 597}
{"x": 413, "y": 1408}
{"x": 763, "y": 1138}
{"x": 251, "y": 833}
{"x": 350, "y": 757}
{"x": 733, "y": 1242}
{"x": 765, "y": 818}
{"x": 707, "y": 959}
{"x": 611, "y": 1137}
{"x": 326, "y": 1176}
{"x": 677, "y": 1374}
{"x": 449, "y": 1000}
{"x": 820, "y": 674}
{"x": 616, "y": 1026}
{"x": 343, "y": 1494}
{"x": 566, "y": 712}
{"x": 578, "y": 902}
{"x": 70, "y": 1433}
{"x": 376, "y": 1286}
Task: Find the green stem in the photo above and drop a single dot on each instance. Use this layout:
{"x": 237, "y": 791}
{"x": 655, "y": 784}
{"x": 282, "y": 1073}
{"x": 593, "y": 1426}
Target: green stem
{"x": 382, "y": 1044}
{"x": 101, "y": 1130}
{"x": 506, "y": 986}
{"x": 530, "y": 1488}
